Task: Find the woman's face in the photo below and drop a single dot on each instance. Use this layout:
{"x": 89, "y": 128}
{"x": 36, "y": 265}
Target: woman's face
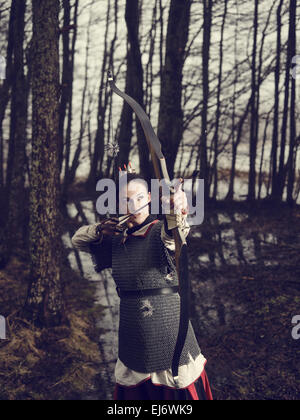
{"x": 135, "y": 197}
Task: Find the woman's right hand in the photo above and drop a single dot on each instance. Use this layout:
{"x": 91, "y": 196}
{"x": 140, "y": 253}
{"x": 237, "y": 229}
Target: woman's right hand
{"x": 109, "y": 227}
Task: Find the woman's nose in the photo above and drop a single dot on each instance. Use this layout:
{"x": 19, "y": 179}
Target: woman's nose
{"x": 132, "y": 206}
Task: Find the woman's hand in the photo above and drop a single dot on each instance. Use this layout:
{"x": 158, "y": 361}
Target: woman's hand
{"x": 178, "y": 202}
{"x": 109, "y": 227}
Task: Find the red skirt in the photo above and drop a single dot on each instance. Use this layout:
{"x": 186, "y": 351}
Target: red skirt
{"x": 199, "y": 390}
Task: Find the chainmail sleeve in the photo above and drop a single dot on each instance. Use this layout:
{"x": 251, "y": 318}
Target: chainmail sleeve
{"x": 87, "y": 239}
{"x": 101, "y": 254}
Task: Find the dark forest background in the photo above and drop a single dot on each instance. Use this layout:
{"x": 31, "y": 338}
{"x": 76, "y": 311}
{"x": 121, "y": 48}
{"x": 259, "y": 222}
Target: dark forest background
{"x": 217, "y": 78}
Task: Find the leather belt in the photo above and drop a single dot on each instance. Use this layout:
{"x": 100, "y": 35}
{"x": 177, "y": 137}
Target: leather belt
{"x": 147, "y": 292}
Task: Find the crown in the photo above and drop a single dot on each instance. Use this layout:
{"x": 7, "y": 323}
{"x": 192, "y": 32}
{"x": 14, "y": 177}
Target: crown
{"x": 129, "y": 169}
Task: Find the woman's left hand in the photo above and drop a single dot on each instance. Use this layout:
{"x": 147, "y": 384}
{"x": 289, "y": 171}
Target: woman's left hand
{"x": 178, "y": 202}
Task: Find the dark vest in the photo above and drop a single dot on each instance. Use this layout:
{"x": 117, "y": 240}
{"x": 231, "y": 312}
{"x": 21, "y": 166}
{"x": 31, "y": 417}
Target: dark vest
{"x": 148, "y": 325}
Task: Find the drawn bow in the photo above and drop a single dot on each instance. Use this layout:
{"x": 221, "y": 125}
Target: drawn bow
{"x": 181, "y": 258}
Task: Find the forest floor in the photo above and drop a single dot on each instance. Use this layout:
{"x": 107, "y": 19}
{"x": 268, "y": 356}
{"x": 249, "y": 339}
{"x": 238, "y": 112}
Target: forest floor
{"x": 49, "y": 364}
{"x": 243, "y": 307}
{"x": 242, "y": 314}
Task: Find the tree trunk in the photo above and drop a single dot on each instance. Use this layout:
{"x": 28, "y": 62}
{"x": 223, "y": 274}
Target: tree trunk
{"x": 4, "y": 99}
{"x": 170, "y": 122}
{"x": 135, "y": 74}
{"x": 230, "y": 193}
{"x": 66, "y": 78}
{"x": 281, "y": 178}
{"x": 291, "y": 162}
{"x": 125, "y": 134}
{"x": 259, "y": 82}
{"x": 261, "y": 177}
{"x": 66, "y": 182}
{"x": 235, "y": 144}
{"x": 83, "y": 124}
{"x": 204, "y": 170}
{"x": 13, "y": 226}
{"x": 103, "y": 96}
{"x": 17, "y": 213}
{"x": 218, "y": 112}
{"x": 4, "y": 95}
{"x": 45, "y": 303}
{"x": 254, "y": 116}
{"x": 276, "y": 108}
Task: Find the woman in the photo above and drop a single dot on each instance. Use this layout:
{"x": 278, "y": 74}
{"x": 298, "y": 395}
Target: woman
{"x": 142, "y": 262}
